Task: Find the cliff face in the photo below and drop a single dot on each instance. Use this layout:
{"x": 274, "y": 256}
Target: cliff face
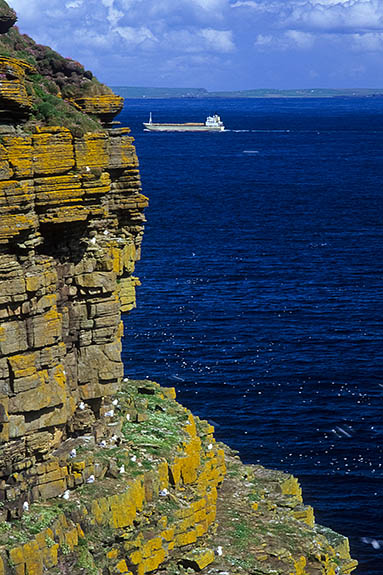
{"x": 98, "y": 474}
{"x": 70, "y": 233}
{"x": 7, "y": 17}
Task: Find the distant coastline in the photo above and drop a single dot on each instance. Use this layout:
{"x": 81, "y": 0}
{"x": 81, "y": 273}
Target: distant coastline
{"x": 161, "y": 93}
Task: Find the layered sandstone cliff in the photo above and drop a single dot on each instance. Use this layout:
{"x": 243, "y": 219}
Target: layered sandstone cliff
{"x": 70, "y": 233}
{"x": 98, "y": 474}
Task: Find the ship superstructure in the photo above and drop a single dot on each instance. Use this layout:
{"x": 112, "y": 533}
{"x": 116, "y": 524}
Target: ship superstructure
{"x": 212, "y": 124}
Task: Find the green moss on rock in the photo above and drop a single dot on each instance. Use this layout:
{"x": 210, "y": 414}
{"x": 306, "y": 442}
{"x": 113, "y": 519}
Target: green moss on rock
{"x": 56, "y": 82}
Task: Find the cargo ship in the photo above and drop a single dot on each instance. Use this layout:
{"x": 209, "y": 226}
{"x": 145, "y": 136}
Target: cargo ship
{"x": 212, "y": 124}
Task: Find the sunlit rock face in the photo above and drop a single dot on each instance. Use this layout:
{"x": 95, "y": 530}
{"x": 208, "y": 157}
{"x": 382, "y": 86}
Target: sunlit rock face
{"x": 106, "y": 106}
{"x": 70, "y": 233}
{"x": 14, "y": 98}
{"x": 71, "y": 225}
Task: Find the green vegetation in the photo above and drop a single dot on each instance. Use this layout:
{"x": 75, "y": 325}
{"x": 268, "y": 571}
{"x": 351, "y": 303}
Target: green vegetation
{"x": 242, "y": 563}
{"x": 243, "y": 534}
{"x": 65, "y": 549}
{"x": 49, "y": 541}
{"x": 161, "y": 431}
{"x": 39, "y": 517}
{"x": 52, "y": 81}
{"x": 167, "y": 506}
{"x": 255, "y": 497}
{"x": 85, "y": 560}
{"x": 52, "y": 110}
{"x": 332, "y": 537}
{"x": 141, "y": 92}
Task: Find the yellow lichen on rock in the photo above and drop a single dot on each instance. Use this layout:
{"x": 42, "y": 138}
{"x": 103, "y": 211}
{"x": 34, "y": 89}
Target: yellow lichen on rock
{"x": 52, "y": 151}
{"x": 122, "y": 152}
{"x": 46, "y": 372}
{"x": 305, "y": 514}
{"x": 13, "y": 91}
{"x": 57, "y": 191}
{"x": 127, "y": 293}
{"x": 105, "y": 106}
{"x": 198, "y": 559}
{"x": 91, "y": 151}
{"x": 122, "y": 568}
{"x": 300, "y": 565}
{"x": 290, "y": 486}
{"x": 19, "y": 151}
{"x": 17, "y": 208}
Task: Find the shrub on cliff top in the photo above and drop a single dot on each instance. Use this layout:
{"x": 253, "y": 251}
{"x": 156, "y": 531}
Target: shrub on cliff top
{"x": 56, "y": 79}
{"x": 69, "y": 76}
{"x": 52, "y": 110}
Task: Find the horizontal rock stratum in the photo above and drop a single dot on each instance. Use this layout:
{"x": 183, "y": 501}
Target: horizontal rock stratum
{"x": 100, "y": 475}
{"x": 70, "y": 233}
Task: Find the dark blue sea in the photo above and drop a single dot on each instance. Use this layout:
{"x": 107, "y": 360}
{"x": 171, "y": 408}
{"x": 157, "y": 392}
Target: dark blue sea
{"x": 262, "y": 290}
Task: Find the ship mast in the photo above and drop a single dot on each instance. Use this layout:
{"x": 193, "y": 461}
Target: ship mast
{"x": 150, "y": 118}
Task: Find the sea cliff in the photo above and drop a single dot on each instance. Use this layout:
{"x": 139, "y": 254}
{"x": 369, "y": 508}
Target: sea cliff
{"x": 100, "y": 474}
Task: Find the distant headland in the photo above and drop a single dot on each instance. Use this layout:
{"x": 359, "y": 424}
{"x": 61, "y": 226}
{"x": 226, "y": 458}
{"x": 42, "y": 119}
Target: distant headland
{"x": 144, "y": 92}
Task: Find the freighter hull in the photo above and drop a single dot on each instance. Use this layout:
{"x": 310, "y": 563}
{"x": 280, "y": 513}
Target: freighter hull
{"x": 182, "y": 128}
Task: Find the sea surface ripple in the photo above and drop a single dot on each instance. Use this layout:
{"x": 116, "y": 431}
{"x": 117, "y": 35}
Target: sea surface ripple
{"x": 262, "y": 290}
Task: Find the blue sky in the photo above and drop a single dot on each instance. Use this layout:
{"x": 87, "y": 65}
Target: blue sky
{"x": 215, "y": 44}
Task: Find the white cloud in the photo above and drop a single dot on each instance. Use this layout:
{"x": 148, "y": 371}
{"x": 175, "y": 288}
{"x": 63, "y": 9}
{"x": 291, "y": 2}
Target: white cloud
{"x": 93, "y": 40}
{"x": 114, "y": 15}
{"x": 199, "y": 41}
{"x": 126, "y": 24}
{"x": 331, "y": 16}
{"x": 210, "y": 5}
{"x": 174, "y": 10}
{"x": 74, "y": 4}
{"x": 264, "y": 40}
{"x": 29, "y": 9}
{"x": 291, "y": 39}
{"x": 327, "y": 2}
{"x": 300, "y": 39}
{"x": 370, "y": 42}
{"x": 129, "y": 38}
{"x": 260, "y": 7}
{"x": 218, "y": 40}
{"x": 347, "y": 25}
{"x": 135, "y": 36}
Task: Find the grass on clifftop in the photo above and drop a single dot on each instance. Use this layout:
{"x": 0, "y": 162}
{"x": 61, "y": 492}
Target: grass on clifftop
{"x": 50, "y": 109}
{"x": 55, "y": 79}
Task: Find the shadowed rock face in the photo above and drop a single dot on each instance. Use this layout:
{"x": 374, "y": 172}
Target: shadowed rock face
{"x": 71, "y": 225}
{"x": 7, "y": 17}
